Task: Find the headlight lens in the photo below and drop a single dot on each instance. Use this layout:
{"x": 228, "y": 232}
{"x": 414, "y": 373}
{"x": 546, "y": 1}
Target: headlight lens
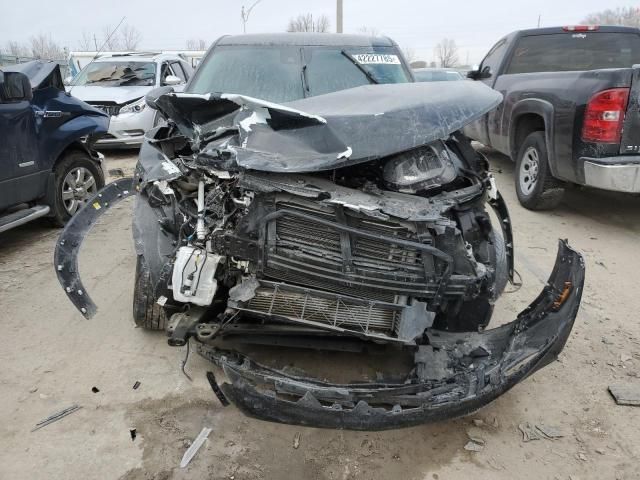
{"x": 134, "y": 107}
{"x": 421, "y": 169}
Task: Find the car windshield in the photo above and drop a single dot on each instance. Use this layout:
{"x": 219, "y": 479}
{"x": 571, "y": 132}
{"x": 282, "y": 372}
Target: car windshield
{"x": 117, "y": 74}
{"x": 436, "y": 75}
{"x": 281, "y": 74}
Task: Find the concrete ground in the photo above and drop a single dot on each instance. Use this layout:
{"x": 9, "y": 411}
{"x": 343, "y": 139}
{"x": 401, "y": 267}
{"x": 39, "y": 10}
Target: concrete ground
{"x": 52, "y": 358}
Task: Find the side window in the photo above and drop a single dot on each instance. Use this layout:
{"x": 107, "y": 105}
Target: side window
{"x": 187, "y": 70}
{"x": 178, "y": 72}
{"x": 494, "y": 57}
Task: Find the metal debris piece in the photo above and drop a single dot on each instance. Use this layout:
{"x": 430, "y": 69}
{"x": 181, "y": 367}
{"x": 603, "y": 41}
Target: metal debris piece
{"x": 529, "y": 433}
{"x": 626, "y": 394}
{"x": 296, "y": 440}
{"x": 549, "y": 431}
{"x": 136, "y": 385}
{"x": 56, "y": 416}
{"x": 133, "y": 432}
{"x": 472, "y": 446}
{"x": 95, "y": 389}
{"x": 195, "y": 446}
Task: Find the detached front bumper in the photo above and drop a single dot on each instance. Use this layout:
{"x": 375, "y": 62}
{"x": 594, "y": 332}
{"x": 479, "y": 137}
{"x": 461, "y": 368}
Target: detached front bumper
{"x": 619, "y": 174}
{"x": 456, "y": 374}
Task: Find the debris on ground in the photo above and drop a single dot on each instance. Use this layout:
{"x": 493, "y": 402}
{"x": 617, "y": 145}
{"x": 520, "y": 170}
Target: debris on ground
{"x": 195, "y": 446}
{"x": 33, "y": 389}
{"x": 529, "y": 433}
{"x": 133, "y": 432}
{"x": 549, "y": 431}
{"x": 136, "y": 385}
{"x": 472, "y": 446}
{"x": 296, "y": 440}
{"x": 626, "y": 394}
{"x": 56, "y": 416}
{"x": 625, "y": 357}
{"x": 475, "y": 435}
{"x": 95, "y": 389}
{"x": 116, "y": 172}
{"x": 538, "y": 431}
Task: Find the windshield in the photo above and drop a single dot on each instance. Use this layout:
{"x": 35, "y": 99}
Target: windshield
{"x": 288, "y": 73}
{"x": 117, "y": 74}
{"x": 436, "y": 75}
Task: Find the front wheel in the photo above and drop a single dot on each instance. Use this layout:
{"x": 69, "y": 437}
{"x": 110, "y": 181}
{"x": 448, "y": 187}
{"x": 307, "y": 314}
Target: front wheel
{"x": 146, "y": 311}
{"x": 77, "y": 180}
{"x": 536, "y": 187}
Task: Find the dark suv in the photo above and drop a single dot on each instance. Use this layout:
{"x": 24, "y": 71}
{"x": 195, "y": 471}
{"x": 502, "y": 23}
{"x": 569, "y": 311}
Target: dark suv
{"x": 47, "y": 164}
{"x": 348, "y": 216}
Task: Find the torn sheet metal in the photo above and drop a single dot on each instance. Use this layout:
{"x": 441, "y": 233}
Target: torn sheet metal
{"x": 327, "y": 131}
{"x": 481, "y": 366}
{"x": 70, "y": 240}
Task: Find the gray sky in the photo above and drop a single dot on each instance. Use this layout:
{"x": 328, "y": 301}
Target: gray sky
{"x": 168, "y": 24}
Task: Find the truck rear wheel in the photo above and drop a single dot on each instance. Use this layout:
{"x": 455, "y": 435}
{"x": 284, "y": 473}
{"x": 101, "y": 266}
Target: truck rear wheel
{"x": 146, "y": 311}
{"x": 535, "y": 186}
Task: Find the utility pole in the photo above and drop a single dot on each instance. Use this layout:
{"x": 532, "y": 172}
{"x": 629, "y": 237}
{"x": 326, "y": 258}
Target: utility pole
{"x": 245, "y": 15}
{"x": 539, "y": 15}
{"x": 95, "y": 42}
{"x": 339, "y": 16}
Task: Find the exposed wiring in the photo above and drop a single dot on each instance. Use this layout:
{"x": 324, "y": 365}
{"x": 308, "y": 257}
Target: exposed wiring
{"x": 184, "y": 362}
{"x": 516, "y": 284}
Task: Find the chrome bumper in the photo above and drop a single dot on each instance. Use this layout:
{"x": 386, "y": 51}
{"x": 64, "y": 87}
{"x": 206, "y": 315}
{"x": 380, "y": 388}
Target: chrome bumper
{"x": 619, "y": 174}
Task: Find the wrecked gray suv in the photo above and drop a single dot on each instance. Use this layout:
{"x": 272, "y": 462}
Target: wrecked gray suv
{"x": 333, "y": 219}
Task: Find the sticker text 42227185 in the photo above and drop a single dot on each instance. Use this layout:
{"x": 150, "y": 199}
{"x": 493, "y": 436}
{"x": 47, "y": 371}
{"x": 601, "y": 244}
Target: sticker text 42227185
{"x": 376, "y": 59}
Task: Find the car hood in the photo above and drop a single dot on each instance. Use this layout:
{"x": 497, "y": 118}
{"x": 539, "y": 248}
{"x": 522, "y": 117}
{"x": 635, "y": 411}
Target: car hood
{"x": 119, "y": 95}
{"x": 327, "y": 131}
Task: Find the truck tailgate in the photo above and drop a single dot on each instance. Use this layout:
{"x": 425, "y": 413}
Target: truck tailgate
{"x": 630, "y": 142}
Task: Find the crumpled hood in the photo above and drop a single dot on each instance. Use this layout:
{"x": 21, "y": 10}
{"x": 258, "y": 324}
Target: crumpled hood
{"x": 327, "y": 131}
{"x": 119, "y": 95}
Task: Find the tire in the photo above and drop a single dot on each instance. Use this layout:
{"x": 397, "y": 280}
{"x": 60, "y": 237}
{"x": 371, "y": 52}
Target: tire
{"x": 77, "y": 179}
{"x": 146, "y": 311}
{"x": 500, "y": 263}
{"x": 535, "y": 186}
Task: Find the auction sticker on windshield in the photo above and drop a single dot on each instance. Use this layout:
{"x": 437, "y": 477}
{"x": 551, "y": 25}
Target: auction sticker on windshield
{"x": 376, "y": 59}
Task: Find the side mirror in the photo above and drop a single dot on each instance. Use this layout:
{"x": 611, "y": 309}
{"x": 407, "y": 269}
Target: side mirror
{"x": 477, "y": 74}
{"x": 172, "y": 80}
{"x": 15, "y": 87}
{"x": 68, "y": 80}
{"x": 151, "y": 97}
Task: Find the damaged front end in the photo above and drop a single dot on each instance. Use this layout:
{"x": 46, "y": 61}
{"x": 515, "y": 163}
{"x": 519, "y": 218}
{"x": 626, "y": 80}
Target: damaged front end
{"x": 357, "y": 216}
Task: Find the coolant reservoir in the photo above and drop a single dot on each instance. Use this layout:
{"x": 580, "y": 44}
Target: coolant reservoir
{"x": 194, "y": 276}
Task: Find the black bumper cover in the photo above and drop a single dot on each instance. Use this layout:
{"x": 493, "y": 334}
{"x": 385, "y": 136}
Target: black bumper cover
{"x": 481, "y": 367}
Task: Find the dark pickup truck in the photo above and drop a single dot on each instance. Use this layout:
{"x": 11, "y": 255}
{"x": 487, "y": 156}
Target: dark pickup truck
{"x": 571, "y": 111}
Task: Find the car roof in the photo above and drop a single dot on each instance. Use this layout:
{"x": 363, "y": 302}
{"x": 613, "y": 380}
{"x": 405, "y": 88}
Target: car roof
{"x": 134, "y": 56}
{"x": 307, "y": 39}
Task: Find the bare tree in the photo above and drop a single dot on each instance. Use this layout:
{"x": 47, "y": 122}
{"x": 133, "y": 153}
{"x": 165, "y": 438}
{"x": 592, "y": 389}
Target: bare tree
{"x": 130, "y": 37}
{"x": 16, "y": 49}
{"x": 370, "y": 31}
{"x": 627, "y": 16}
{"x": 43, "y": 46}
{"x": 446, "y": 53}
{"x": 86, "y": 43}
{"x": 196, "y": 44}
{"x": 409, "y": 54}
{"x": 306, "y": 23}
{"x": 110, "y": 40}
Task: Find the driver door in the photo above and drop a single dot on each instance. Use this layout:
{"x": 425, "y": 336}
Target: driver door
{"x": 18, "y": 142}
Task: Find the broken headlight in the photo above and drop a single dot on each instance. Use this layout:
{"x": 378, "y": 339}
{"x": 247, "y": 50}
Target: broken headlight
{"x": 421, "y": 169}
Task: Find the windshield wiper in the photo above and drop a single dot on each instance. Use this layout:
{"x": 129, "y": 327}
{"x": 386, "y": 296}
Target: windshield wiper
{"x": 367, "y": 74}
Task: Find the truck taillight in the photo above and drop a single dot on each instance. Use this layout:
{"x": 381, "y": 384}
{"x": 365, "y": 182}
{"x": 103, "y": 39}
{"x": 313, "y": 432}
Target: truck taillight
{"x": 604, "y": 116}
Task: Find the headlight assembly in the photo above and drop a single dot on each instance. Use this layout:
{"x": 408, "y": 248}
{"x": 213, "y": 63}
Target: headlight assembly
{"x": 134, "y": 107}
